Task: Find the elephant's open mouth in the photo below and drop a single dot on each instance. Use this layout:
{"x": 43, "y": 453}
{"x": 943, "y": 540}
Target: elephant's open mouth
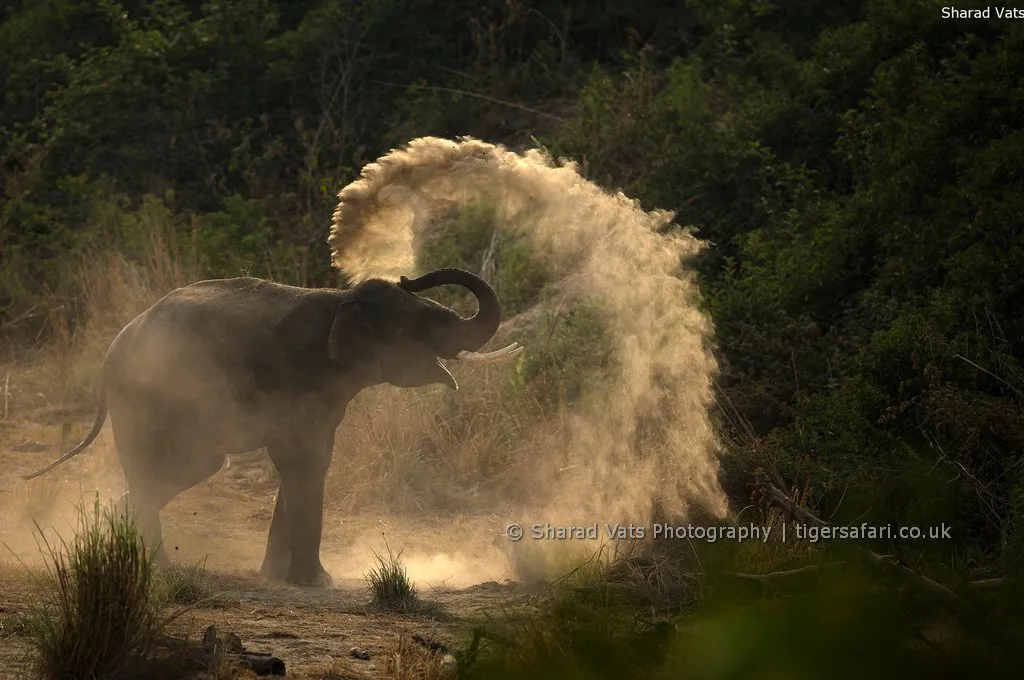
{"x": 446, "y": 376}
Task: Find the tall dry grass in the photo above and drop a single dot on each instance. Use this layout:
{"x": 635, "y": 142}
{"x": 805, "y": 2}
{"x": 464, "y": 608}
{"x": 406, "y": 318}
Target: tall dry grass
{"x": 134, "y": 259}
{"x": 414, "y": 451}
{"x": 51, "y": 379}
{"x": 106, "y": 286}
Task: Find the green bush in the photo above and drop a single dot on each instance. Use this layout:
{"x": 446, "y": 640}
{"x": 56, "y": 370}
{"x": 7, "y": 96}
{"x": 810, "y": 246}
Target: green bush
{"x": 831, "y": 619}
{"x": 474, "y": 233}
{"x": 571, "y": 350}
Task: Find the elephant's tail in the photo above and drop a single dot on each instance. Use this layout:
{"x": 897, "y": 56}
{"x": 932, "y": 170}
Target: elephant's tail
{"x": 101, "y": 417}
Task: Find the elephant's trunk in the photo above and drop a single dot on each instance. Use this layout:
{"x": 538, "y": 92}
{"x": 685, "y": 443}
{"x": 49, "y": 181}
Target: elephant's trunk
{"x": 473, "y": 333}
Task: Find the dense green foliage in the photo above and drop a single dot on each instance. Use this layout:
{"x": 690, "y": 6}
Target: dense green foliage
{"x": 839, "y": 627}
{"x": 859, "y": 168}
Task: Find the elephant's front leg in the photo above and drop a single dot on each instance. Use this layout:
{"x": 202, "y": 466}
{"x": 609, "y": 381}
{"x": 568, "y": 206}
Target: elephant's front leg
{"x": 279, "y": 555}
{"x": 302, "y": 462}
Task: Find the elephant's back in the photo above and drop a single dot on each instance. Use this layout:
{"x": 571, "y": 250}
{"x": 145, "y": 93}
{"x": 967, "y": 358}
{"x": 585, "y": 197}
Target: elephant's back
{"x": 197, "y": 333}
{"x": 235, "y": 293}
{"x": 217, "y": 307}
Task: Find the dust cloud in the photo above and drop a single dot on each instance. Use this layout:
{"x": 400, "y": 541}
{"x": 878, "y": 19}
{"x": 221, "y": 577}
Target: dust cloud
{"x": 47, "y": 511}
{"x": 475, "y": 562}
{"x": 646, "y": 437}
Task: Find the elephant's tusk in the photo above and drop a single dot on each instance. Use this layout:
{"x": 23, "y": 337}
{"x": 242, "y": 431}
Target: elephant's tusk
{"x": 503, "y": 354}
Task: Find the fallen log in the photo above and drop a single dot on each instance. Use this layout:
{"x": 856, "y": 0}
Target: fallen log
{"x": 921, "y": 582}
{"x": 432, "y": 644}
{"x": 262, "y": 663}
{"x": 229, "y": 648}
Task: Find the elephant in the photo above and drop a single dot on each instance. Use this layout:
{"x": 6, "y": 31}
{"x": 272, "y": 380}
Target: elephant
{"x": 227, "y": 366}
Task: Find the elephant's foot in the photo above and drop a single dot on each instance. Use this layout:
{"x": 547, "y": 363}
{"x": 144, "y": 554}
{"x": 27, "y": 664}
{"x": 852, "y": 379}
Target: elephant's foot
{"x": 275, "y": 569}
{"x": 319, "y": 578}
{"x": 280, "y": 569}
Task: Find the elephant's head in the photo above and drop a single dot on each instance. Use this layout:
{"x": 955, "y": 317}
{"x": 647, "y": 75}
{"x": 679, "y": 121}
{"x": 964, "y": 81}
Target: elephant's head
{"x": 403, "y": 337}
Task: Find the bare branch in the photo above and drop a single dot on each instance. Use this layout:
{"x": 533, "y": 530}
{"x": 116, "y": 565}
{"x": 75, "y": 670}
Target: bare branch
{"x": 946, "y": 596}
{"x": 783, "y": 500}
{"x": 773, "y": 577}
{"x": 988, "y": 372}
{"x": 986, "y": 583}
{"x": 476, "y": 95}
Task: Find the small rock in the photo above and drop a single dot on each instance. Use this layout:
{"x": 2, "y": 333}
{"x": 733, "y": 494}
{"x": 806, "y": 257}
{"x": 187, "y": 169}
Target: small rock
{"x": 211, "y": 641}
{"x": 359, "y": 653}
{"x": 233, "y": 644}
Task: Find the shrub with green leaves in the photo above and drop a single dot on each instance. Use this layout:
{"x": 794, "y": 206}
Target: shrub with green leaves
{"x": 571, "y": 349}
{"x": 826, "y": 620}
{"x": 472, "y": 237}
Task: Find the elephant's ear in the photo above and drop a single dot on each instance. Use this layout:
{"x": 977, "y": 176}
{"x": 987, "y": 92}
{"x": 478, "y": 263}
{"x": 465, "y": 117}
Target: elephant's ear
{"x": 352, "y": 338}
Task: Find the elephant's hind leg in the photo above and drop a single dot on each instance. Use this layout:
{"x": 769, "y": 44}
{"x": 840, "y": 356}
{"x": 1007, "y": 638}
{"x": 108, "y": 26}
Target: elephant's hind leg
{"x": 144, "y": 506}
{"x": 158, "y": 468}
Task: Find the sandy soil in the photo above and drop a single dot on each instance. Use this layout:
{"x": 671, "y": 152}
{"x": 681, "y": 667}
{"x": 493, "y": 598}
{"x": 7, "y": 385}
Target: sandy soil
{"x": 223, "y": 523}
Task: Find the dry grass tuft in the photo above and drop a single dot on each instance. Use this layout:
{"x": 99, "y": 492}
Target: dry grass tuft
{"x": 97, "y": 616}
{"x": 184, "y": 583}
{"x": 392, "y": 590}
{"x": 407, "y": 660}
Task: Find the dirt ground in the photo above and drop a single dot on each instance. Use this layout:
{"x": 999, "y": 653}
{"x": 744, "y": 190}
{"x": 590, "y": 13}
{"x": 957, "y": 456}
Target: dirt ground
{"x": 222, "y": 523}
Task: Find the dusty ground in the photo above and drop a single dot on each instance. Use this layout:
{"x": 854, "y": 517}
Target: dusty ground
{"x": 223, "y": 523}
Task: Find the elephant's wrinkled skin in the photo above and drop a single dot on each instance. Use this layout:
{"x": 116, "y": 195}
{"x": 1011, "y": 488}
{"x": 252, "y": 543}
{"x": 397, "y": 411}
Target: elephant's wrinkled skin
{"x": 233, "y": 365}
